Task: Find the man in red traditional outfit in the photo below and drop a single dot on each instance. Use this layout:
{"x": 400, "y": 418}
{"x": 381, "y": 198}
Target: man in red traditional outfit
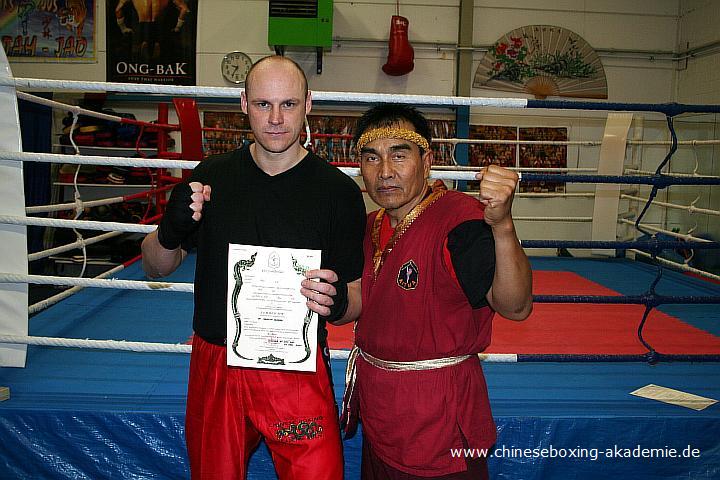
{"x": 438, "y": 265}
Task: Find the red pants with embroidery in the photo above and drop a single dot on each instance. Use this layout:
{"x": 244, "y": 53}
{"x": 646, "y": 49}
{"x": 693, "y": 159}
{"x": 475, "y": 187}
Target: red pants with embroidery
{"x": 229, "y": 410}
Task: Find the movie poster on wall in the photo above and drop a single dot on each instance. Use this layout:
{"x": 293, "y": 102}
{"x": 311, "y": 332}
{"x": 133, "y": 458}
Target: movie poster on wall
{"x": 48, "y": 30}
{"x": 151, "y": 41}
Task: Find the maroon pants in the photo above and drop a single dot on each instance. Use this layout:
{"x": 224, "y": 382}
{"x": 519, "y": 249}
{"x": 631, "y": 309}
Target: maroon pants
{"x": 229, "y": 410}
{"x": 375, "y": 469}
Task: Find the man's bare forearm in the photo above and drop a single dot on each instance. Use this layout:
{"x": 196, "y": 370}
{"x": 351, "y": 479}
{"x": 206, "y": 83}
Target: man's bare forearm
{"x": 159, "y": 261}
{"x": 511, "y": 291}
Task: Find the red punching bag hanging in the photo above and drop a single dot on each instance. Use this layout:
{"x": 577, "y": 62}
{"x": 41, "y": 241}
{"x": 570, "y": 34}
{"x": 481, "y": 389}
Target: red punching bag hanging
{"x": 401, "y": 56}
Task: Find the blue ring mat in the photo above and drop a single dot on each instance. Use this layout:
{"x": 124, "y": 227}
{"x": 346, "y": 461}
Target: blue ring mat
{"x": 99, "y": 414}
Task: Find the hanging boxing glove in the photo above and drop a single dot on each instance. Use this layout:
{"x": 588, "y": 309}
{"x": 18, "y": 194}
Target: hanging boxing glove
{"x": 401, "y": 55}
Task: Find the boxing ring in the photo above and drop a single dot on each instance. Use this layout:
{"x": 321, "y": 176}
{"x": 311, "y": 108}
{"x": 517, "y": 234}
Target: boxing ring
{"x": 560, "y": 383}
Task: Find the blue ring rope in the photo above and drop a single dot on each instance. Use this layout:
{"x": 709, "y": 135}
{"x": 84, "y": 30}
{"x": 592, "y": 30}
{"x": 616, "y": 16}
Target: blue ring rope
{"x": 657, "y": 180}
{"x": 654, "y": 190}
{"x": 647, "y": 299}
{"x": 649, "y": 357}
{"x": 669, "y": 109}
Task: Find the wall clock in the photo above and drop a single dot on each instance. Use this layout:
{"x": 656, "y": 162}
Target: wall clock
{"x": 235, "y": 67}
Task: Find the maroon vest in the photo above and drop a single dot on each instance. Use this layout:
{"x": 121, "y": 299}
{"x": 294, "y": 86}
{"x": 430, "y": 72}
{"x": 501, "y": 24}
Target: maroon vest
{"x": 414, "y": 309}
{"x": 415, "y": 297}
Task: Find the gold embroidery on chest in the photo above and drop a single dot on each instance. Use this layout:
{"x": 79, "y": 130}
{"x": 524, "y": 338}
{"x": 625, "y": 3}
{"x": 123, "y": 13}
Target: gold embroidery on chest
{"x": 380, "y": 254}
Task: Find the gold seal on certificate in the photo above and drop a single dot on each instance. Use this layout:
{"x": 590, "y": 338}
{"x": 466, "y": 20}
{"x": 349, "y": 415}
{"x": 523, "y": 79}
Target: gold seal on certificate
{"x": 268, "y": 322}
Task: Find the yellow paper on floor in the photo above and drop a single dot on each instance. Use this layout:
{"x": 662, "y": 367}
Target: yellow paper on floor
{"x": 674, "y": 397}
{"x": 4, "y": 393}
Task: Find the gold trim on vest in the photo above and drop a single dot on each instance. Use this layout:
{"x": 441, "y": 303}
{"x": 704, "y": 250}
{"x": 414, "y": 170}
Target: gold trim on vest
{"x": 380, "y": 253}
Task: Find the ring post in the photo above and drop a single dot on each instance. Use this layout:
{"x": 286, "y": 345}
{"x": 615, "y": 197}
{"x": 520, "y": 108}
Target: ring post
{"x": 607, "y": 196}
{"x": 13, "y": 238}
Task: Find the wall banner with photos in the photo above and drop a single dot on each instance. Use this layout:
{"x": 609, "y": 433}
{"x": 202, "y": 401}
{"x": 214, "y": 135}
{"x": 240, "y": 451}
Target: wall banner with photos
{"x": 331, "y": 135}
{"x": 332, "y": 140}
{"x": 508, "y": 155}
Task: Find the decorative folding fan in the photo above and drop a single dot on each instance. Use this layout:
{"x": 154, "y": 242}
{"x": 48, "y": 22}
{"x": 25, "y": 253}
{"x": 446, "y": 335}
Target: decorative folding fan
{"x": 543, "y": 60}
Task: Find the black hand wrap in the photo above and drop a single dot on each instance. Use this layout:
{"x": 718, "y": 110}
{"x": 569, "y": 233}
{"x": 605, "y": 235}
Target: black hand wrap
{"x": 177, "y": 222}
{"x": 340, "y": 305}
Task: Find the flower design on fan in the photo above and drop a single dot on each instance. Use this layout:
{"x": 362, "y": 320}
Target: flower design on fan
{"x": 543, "y": 60}
{"x": 510, "y": 60}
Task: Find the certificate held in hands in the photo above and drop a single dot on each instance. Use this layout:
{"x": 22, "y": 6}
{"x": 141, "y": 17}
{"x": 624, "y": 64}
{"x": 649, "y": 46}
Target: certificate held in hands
{"x": 268, "y": 322}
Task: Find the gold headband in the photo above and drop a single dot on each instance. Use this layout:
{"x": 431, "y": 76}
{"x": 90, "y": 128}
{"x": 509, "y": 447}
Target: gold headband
{"x": 387, "y": 132}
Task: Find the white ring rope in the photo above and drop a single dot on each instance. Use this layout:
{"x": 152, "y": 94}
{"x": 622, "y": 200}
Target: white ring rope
{"x": 34, "y": 84}
{"x": 437, "y": 173}
{"x": 308, "y": 135}
{"x": 466, "y": 168}
{"x": 71, "y": 246}
{"x": 686, "y": 237}
{"x": 59, "y": 207}
{"x": 82, "y": 224}
{"x": 43, "y": 304}
{"x": 678, "y": 266}
{"x": 689, "y": 208}
{"x": 588, "y": 143}
{"x": 552, "y": 169}
{"x": 550, "y": 195}
{"x": 485, "y": 141}
{"x": 135, "y": 228}
{"x": 231, "y": 92}
{"x": 71, "y": 108}
{"x": 78, "y": 212}
{"x": 184, "y": 164}
{"x": 553, "y": 219}
{"x": 98, "y": 344}
{"x": 71, "y": 136}
{"x": 96, "y": 282}
{"x": 178, "y": 347}
{"x": 677, "y": 174}
{"x": 97, "y": 160}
